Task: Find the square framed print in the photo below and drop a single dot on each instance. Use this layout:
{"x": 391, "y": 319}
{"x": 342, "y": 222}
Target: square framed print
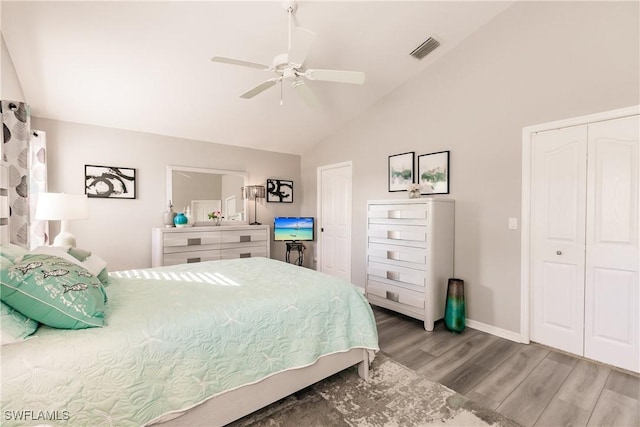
{"x": 279, "y": 191}
{"x": 109, "y": 182}
{"x": 401, "y": 168}
{"x": 433, "y": 173}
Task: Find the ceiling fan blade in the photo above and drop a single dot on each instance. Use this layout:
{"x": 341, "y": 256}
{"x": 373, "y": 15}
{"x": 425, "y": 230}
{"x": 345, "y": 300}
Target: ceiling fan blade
{"x": 305, "y": 93}
{"x": 260, "y": 88}
{"x": 239, "y": 62}
{"x": 301, "y": 42}
{"x": 353, "y": 77}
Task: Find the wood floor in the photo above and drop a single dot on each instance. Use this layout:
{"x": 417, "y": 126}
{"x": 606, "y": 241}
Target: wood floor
{"x": 531, "y": 384}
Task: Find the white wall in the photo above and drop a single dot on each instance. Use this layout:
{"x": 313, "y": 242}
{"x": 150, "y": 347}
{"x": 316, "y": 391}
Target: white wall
{"x": 10, "y": 88}
{"x": 120, "y": 230}
{"x": 536, "y": 62}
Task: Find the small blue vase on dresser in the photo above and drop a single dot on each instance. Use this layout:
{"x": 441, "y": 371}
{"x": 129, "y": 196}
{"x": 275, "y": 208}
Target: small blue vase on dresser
{"x": 180, "y": 220}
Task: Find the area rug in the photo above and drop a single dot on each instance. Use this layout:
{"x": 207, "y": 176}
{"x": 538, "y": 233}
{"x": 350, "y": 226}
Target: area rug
{"x": 394, "y": 395}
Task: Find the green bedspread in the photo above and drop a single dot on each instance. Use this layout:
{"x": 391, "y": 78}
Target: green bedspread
{"x": 178, "y": 335}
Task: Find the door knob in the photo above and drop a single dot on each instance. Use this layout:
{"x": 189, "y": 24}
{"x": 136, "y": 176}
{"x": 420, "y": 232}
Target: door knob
{"x": 558, "y": 252}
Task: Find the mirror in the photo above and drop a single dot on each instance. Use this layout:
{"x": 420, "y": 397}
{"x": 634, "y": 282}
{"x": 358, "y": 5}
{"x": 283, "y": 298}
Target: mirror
{"x": 206, "y": 190}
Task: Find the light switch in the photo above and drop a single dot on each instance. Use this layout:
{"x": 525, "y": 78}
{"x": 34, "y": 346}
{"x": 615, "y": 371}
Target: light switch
{"x": 513, "y": 223}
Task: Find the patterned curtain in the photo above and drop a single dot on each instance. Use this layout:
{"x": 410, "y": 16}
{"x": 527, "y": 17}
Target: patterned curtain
{"x": 38, "y": 229}
{"x": 27, "y": 169}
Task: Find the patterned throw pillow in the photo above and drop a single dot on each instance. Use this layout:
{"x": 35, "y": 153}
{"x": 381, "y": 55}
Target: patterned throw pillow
{"x": 53, "y": 291}
{"x": 96, "y": 265}
{"x": 14, "y": 327}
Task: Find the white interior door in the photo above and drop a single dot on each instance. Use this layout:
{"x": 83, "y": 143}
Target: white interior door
{"x": 558, "y": 201}
{"x": 611, "y": 292}
{"x": 334, "y": 224}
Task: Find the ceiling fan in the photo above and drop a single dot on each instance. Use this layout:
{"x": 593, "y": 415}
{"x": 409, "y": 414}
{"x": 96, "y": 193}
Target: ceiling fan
{"x": 290, "y": 66}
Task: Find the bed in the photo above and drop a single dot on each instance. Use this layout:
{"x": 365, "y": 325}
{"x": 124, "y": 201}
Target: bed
{"x": 192, "y": 344}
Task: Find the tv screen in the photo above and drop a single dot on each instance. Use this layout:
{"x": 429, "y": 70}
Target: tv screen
{"x": 293, "y": 228}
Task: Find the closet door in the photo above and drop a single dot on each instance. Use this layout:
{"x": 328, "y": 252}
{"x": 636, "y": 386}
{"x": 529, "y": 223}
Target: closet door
{"x": 611, "y": 287}
{"x": 558, "y": 201}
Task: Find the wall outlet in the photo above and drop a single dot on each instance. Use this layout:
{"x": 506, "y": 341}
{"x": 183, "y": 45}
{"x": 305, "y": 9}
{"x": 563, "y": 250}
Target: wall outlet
{"x": 513, "y": 223}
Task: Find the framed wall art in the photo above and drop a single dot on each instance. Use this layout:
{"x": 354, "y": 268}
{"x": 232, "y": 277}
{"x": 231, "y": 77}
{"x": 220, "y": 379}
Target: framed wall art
{"x": 109, "y": 182}
{"x": 279, "y": 191}
{"x": 433, "y": 173}
{"x": 401, "y": 171}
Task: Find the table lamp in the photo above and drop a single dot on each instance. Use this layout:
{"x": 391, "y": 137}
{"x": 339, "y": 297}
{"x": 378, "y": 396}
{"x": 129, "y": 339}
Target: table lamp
{"x": 254, "y": 192}
{"x": 62, "y": 207}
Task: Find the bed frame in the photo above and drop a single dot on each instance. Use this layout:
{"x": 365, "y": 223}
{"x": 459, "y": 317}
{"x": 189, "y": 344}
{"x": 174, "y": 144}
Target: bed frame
{"x": 234, "y": 404}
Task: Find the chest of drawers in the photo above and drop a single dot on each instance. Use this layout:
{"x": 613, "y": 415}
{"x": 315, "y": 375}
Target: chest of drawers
{"x": 170, "y": 246}
{"x": 410, "y": 256}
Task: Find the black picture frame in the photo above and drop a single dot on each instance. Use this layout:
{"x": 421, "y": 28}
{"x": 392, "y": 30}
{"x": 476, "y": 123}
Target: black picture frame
{"x": 109, "y": 182}
{"x": 433, "y": 173}
{"x": 401, "y": 171}
{"x": 279, "y": 191}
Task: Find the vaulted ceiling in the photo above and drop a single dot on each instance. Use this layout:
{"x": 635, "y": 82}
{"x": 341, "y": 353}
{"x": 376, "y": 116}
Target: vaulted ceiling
{"x": 146, "y": 66}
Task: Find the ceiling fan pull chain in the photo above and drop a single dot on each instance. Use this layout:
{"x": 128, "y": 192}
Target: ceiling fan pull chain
{"x": 290, "y": 12}
{"x": 281, "y": 102}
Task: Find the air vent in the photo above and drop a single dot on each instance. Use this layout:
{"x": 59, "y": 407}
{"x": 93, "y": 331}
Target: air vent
{"x": 425, "y": 48}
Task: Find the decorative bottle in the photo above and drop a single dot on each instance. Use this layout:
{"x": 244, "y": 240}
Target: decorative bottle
{"x": 454, "y": 312}
{"x": 187, "y": 213}
{"x": 168, "y": 216}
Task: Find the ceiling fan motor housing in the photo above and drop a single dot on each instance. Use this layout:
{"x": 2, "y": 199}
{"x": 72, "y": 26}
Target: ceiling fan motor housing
{"x": 281, "y": 61}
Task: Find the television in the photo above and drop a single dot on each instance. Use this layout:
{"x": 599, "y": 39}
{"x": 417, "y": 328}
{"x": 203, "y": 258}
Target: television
{"x": 298, "y": 229}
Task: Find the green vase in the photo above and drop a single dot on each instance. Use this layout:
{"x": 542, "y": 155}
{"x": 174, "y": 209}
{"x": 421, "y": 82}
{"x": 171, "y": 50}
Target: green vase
{"x": 454, "y": 312}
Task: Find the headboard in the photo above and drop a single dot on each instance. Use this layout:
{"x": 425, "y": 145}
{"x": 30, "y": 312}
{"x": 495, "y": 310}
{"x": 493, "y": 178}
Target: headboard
{"x": 4, "y": 204}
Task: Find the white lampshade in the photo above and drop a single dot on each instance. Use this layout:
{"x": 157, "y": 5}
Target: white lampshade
{"x": 62, "y": 207}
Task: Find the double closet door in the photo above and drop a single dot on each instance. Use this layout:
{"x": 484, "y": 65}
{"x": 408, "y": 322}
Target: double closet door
{"x": 584, "y": 241}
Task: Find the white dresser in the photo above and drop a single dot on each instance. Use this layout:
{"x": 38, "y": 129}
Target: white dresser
{"x": 410, "y": 256}
{"x": 171, "y": 246}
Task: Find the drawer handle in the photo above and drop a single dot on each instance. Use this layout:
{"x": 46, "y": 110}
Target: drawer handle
{"x": 395, "y": 235}
{"x": 393, "y": 275}
{"x": 193, "y": 242}
{"x": 394, "y": 214}
{"x": 191, "y": 260}
{"x": 393, "y": 296}
{"x": 395, "y": 255}
{"x": 245, "y": 238}
{"x": 247, "y": 255}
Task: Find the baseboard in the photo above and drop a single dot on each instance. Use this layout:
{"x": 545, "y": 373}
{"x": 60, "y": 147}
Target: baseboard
{"x": 493, "y": 330}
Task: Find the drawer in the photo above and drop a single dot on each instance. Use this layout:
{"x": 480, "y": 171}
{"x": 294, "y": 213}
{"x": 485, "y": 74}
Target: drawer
{"x": 392, "y": 254}
{"x": 396, "y": 294}
{"x": 193, "y": 238}
{"x": 243, "y": 236}
{"x": 190, "y": 256}
{"x": 249, "y": 252}
{"x": 398, "y": 211}
{"x": 396, "y": 232}
{"x": 396, "y": 273}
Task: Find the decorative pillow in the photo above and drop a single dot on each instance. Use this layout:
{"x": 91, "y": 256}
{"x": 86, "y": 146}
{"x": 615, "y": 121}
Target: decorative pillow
{"x": 79, "y": 254}
{"x": 11, "y": 251}
{"x": 53, "y": 291}
{"x": 14, "y": 327}
{"x": 96, "y": 265}
{"x": 5, "y": 262}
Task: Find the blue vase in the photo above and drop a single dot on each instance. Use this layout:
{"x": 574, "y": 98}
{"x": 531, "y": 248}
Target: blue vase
{"x": 454, "y": 312}
{"x": 180, "y": 220}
